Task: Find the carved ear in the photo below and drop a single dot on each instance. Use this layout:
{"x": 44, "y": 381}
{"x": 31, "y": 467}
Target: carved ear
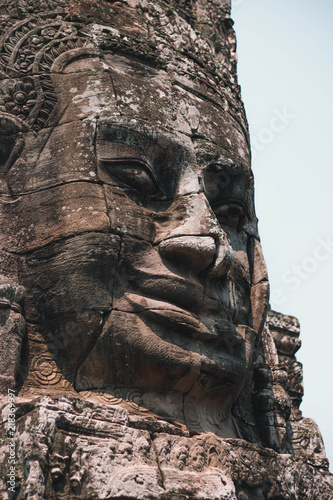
{"x": 11, "y": 146}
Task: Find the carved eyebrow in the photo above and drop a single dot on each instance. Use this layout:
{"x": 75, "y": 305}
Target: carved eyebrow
{"x": 142, "y": 138}
{"x": 114, "y": 150}
{"x": 229, "y": 166}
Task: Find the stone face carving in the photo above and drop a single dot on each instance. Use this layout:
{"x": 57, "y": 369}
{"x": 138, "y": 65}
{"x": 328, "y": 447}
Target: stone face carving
{"x": 127, "y": 215}
{"x": 137, "y": 177}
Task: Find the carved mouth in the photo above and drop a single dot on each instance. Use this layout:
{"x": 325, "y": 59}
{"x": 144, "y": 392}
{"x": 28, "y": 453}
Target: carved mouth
{"x": 222, "y": 347}
{"x": 164, "y": 313}
{"x": 177, "y": 319}
{"x": 223, "y": 375}
{"x": 171, "y": 289}
{"x": 217, "y": 383}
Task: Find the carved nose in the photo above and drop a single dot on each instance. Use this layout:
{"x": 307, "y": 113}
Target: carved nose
{"x": 194, "y": 253}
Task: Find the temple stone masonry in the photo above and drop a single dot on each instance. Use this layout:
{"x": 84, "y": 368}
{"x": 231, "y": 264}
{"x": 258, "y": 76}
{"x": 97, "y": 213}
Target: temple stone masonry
{"x": 139, "y": 356}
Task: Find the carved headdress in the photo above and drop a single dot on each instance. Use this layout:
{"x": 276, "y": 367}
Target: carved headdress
{"x": 192, "y": 39}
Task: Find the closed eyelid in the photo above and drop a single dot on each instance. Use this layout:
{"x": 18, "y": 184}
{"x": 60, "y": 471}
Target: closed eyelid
{"x": 227, "y": 174}
{"x": 129, "y": 162}
{"x": 132, "y": 173}
{"x": 226, "y": 182}
{"x": 125, "y": 161}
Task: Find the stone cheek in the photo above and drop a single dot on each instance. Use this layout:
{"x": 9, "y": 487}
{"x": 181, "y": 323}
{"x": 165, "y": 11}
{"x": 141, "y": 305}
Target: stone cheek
{"x": 53, "y": 214}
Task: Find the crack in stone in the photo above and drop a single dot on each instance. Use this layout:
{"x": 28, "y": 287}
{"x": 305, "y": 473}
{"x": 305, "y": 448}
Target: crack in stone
{"x": 161, "y": 473}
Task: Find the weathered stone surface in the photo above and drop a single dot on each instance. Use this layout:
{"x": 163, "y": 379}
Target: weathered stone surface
{"x": 51, "y": 215}
{"x": 70, "y": 447}
{"x": 139, "y": 352}
{"x": 305, "y": 438}
{"x": 42, "y": 166}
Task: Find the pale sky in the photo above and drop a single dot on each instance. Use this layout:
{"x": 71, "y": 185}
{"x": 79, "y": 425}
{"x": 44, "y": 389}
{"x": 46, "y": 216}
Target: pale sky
{"x": 286, "y": 74}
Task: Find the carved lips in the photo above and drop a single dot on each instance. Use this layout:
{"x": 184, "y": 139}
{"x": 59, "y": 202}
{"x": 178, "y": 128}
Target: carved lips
{"x": 171, "y": 316}
{"x": 221, "y": 347}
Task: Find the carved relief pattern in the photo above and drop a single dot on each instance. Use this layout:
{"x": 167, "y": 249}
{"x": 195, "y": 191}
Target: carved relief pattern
{"x": 300, "y": 435}
{"x": 81, "y": 454}
{"x": 27, "y": 54}
{"x": 46, "y": 370}
{"x": 28, "y": 48}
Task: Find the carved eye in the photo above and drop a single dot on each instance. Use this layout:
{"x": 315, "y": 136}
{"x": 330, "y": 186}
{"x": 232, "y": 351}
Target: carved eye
{"x": 134, "y": 174}
{"x": 232, "y": 214}
{"x": 225, "y": 192}
{"x": 215, "y": 183}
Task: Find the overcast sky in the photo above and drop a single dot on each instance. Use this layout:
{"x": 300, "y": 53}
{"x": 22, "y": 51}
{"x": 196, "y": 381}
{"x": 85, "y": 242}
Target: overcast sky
{"x": 285, "y": 71}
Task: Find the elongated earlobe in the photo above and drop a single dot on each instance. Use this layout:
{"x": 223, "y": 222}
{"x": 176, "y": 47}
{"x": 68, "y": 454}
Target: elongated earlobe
{"x": 11, "y": 147}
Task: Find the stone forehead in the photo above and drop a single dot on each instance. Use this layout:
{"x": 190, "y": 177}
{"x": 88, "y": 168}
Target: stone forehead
{"x": 113, "y": 88}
